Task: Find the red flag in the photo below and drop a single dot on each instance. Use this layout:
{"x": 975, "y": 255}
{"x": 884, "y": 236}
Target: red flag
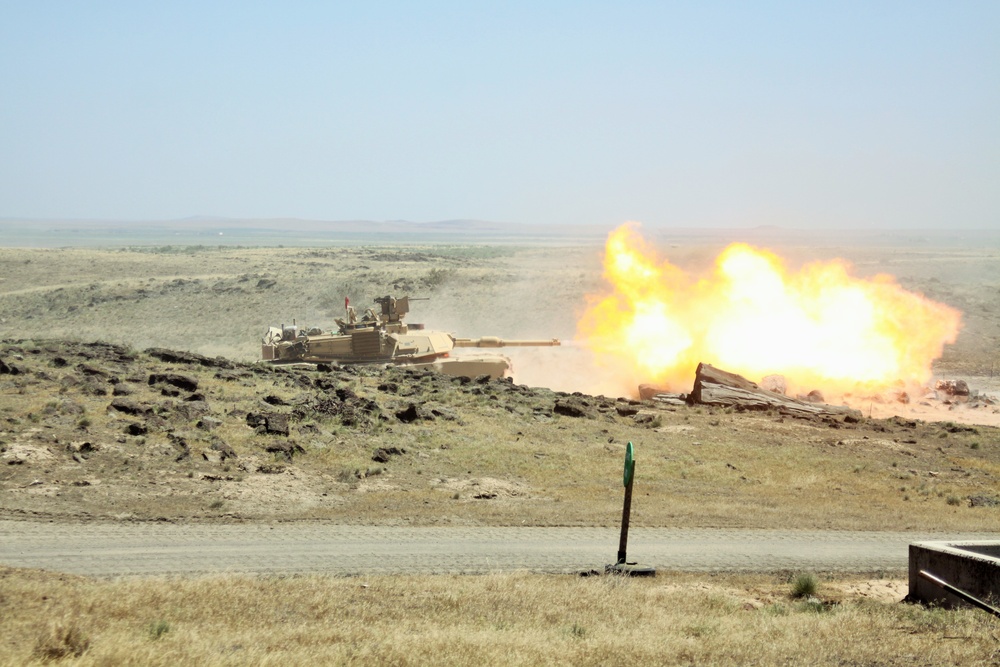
{"x": 347, "y": 302}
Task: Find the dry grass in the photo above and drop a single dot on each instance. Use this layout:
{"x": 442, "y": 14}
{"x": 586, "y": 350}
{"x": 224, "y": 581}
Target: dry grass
{"x": 512, "y": 618}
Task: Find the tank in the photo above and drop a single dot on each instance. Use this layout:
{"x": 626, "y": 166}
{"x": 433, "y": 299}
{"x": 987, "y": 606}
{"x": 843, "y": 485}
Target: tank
{"x": 381, "y": 336}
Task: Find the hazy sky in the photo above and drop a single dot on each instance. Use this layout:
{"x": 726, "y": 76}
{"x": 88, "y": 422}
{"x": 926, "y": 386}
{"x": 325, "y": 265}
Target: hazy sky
{"x": 802, "y": 114}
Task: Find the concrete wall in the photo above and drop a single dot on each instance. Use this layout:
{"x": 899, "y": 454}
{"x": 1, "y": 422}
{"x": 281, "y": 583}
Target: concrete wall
{"x": 973, "y": 567}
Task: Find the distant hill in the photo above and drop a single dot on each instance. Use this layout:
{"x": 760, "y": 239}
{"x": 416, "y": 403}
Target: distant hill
{"x": 212, "y": 230}
{"x": 281, "y": 231}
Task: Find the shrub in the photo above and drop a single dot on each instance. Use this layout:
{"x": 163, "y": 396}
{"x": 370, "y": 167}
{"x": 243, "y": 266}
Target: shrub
{"x": 157, "y": 629}
{"x": 804, "y": 585}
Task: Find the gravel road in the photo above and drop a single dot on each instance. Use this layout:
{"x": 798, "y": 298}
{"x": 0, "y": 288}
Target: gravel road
{"x": 142, "y": 549}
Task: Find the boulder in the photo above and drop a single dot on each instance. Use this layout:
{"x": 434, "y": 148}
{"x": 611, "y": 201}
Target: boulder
{"x": 8, "y": 369}
{"x": 572, "y": 407}
{"x": 775, "y": 383}
{"x": 271, "y": 423}
{"x": 952, "y": 387}
{"x": 382, "y": 454}
{"x": 183, "y": 382}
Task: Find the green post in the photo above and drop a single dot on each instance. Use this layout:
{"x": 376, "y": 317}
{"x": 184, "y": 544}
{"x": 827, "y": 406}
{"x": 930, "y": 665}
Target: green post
{"x": 623, "y": 567}
{"x": 627, "y": 505}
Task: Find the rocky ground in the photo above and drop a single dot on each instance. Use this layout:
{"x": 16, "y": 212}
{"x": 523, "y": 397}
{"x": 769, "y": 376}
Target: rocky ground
{"x": 102, "y": 431}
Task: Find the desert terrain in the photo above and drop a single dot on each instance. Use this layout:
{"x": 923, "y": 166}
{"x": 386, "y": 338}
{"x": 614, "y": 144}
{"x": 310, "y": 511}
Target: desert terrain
{"x": 89, "y": 327}
{"x": 131, "y": 392}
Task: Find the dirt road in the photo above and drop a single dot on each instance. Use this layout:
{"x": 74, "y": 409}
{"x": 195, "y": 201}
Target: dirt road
{"x": 141, "y": 549}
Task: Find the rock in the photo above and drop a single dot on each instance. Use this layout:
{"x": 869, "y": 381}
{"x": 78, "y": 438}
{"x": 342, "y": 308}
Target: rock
{"x": 271, "y": 399}
{"x": 174, "y": 356}
{"x": 626, "y": 410}
{"x": 232, "y": 376}
{"x": 345, "y": 394}
{"x": 67, "y": 407}
{"x": 83, "y": 448}
{"x": 191, "y": 409}
{"x": 411, "y": 413}
{"x": 94, "y": 387}
{"x": 134, "y": 428}
{"x": 127, "y": 407}
{"x": 286, "y": 448}
{"x": 952, "y": 387}
{"x": 271, "y": 423}
{"x": 182, "y": 445}
{"x": 8, "y": 369}
{"x": 266, "y": 283}
{"x": 775, "y": 383}
{"x": 183, "y": 382}
{"x": 87, "y": 369}
{"x": 209, "y": 423}
{"x": 122, "y": 389}
{"x": 271, "y": 469}
{"x": 445, "y": 413}
{"x": 224, "y": 449}
{"x": 648, "y": 391}
{"x": 645, "y": 418}
{"x": 382, "y": 454}
{"x": 572, "y": 407}
{"x": 814, "y": 396}
{"x": 898, "y": 396}
{"x": 671, "y": 399}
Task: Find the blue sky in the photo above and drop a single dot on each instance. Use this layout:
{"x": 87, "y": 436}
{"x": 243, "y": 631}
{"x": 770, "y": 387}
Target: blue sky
{"x": 686, "y": 114}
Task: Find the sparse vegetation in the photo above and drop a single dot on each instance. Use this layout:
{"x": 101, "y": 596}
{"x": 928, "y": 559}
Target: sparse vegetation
{"x": 514, "y": 618}
{"x": 804, "y": 585}
{"x": 306, "y": 440}
{"x": 158, "y": 628}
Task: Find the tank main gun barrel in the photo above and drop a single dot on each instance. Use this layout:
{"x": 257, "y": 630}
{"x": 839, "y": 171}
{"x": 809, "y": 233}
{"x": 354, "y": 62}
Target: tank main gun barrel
{"x": 493, "y": 341}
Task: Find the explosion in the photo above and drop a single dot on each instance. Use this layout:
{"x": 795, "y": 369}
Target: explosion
{"x": 820, "y": 327}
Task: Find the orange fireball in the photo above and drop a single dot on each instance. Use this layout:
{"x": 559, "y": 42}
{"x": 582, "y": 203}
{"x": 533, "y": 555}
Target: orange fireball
{"x": 819, "y": 326}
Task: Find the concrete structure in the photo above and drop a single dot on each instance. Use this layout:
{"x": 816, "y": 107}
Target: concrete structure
{"x": 972, "y": 566}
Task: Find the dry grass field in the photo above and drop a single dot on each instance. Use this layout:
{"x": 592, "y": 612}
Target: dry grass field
{"x": 503, "y": 618}
{"x": 104, "y": 431}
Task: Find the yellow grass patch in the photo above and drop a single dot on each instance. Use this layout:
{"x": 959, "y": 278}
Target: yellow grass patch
{"x": 515, "y": 618}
